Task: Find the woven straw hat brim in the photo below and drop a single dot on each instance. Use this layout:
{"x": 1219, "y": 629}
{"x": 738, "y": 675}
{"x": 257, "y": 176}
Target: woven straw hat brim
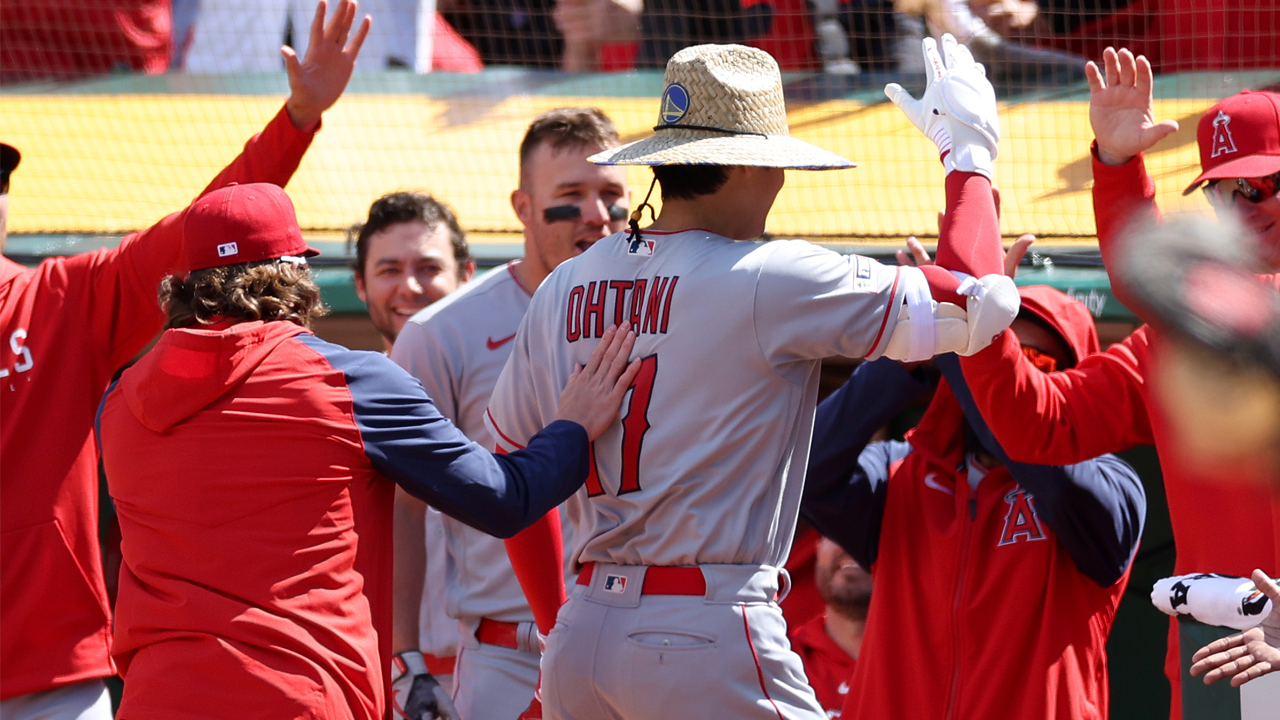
{"x": 694, "y": 147}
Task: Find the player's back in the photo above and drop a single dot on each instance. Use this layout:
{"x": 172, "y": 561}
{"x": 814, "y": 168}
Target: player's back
{"x": 707, "y": 463}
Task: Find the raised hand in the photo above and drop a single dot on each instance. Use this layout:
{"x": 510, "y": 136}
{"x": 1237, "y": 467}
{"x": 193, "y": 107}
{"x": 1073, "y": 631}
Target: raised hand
{"x": 317, "y": 82}
{"x": 917, "y": 255}
{"x": 1248, "y": 655}
{"x": 1121, "y": 108}
{"x": 968, "y": 100}
{"x": 958, "y": 108}
{"x": 594, "y": 393}
{"x": 921, "y": 112}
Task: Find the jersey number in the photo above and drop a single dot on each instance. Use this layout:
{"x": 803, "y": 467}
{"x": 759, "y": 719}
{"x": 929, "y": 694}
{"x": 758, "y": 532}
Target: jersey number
{"x": 635, "y": 424}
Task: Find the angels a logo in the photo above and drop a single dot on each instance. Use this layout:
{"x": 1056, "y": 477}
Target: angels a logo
{"x": 1021, "y": 521}
{"x": 1222, "y": 141}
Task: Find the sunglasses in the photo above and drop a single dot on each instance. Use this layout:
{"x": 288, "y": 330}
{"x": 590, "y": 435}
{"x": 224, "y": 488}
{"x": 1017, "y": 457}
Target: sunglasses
{"x": 1255, "y": 190}
{"x": 1043, "y": 361}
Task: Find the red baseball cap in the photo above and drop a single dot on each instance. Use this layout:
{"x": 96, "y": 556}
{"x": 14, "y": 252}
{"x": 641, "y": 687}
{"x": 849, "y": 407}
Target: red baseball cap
{"x": 1239, "y": 137}
{"x": 240, "y": 224}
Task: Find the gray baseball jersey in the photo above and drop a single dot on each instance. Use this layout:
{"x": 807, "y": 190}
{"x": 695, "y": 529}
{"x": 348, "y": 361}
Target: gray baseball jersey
{"x": 437, "y": 632}
{"x": 706, "y": 462}
{"x": 457, "y": 347}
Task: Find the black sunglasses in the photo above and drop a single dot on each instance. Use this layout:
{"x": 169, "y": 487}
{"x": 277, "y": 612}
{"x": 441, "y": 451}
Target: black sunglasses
{"x": 1255, "y": 190}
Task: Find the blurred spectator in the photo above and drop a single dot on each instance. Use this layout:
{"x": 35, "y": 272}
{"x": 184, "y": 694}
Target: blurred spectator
{"x": 829, "y": 643}
{"x": 229, "y": 36}
{"x": 668, "y": 26}
{"x": 1007, "y": 60}
{"x": 588, "y": 24}
{"x": 855, "y": 34}
{"x": 65, "y": 39}
{"x": 508, "y": 32}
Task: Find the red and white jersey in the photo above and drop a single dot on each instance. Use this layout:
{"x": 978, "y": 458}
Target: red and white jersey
{"x": 706, "y": 463}
{"x": 456, "y": 348}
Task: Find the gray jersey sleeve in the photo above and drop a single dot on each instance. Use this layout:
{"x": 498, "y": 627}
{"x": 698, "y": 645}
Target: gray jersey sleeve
{"x": 813, "y": 303}
{"x": 432, "y": 369}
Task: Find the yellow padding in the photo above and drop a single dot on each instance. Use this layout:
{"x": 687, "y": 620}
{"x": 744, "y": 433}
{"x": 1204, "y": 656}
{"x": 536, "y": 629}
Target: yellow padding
{"x": 105, "y": 164}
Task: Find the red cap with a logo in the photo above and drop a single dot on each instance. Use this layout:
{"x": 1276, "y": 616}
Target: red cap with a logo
{"x": 240, "y": 224}
{"x": 1239, "y": 138}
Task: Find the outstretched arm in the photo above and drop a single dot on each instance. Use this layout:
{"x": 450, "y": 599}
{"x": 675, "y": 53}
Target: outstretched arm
{"x": 1122, "y": 114}
{"x": 845, "y": 486}
{"x": 125, "y": 313}
{"x": 1065, "y": 417}
{"x": 1248, "y": 655}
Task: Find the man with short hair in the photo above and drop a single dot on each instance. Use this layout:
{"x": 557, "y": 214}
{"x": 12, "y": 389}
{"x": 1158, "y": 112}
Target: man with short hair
{"x": 410, "y": 252}
{"x": 66, "y": 326}
{"x": 682, "y": 527}
{"x": 458, "y": 347}
{"x": 829, "y": 644}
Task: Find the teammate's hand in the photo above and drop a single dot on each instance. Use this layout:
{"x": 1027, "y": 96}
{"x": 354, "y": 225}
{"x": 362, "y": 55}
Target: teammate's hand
{"x": 317, "y": 82}
{"x": 594, "y": 393}
{"x": 1121, "y": 108}
{"x": 415, "y": 693}
{"x": 921, "y": 112}
{"x": 1248, "y": 655}
{"x": 916, "y": 255}
{"x": 991, "y": 305}
{"x": 968, "y": 100}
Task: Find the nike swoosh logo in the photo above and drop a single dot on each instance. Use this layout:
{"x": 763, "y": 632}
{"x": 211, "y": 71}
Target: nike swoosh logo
{"x": 495, "y": 344}
{"x": 843, "y": 689}
{"x": 931, "y": 482}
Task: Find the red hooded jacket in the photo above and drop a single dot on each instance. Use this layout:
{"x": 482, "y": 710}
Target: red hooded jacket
{"x": 994, "y": 602}
{"x": 66, "y": 326}
{"x": 249, "y": 467}
{"x": 1103, "y": 405}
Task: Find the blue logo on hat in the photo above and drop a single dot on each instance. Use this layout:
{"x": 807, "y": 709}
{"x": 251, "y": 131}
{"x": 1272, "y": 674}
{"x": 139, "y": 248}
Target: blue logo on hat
{"x": 675, "y": 103}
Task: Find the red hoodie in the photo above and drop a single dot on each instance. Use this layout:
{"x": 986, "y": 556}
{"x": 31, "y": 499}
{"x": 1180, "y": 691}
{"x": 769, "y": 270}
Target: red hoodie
{"x": 250, "y": 469}
{"x": 981, "y": 609}
{"x": 66, "y": 326}
{"x": 1104, "y": 405}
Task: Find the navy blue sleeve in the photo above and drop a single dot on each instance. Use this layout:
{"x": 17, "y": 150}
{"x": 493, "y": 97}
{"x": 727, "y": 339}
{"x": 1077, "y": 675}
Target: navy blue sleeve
{"x": 846, "y": 483}
{"x": 1096, "y": 508}
{"x": 410, "y": 442}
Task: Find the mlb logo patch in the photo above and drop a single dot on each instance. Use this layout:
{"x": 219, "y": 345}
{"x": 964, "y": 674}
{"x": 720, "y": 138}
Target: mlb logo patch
{"x": 642, "y": 247}
{"x": 862, "y": 275}
{"x": 228, "y": 249}
{"x": 615, "y": 584}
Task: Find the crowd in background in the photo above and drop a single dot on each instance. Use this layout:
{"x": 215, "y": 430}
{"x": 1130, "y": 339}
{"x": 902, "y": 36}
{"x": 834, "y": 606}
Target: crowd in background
{"x": 1020, "y": 41}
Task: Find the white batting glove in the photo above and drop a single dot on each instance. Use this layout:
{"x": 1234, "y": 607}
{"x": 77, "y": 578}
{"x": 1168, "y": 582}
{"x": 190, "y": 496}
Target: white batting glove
{"x": 992, "y": 303}
{"x": 925, "y": 113}
{"x": 415, "y": 693}
{"x": 968, "y": 102}
{"x": 927, "y": 328}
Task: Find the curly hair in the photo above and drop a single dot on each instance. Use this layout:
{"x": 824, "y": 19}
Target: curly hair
{"x": 268, "y": 290}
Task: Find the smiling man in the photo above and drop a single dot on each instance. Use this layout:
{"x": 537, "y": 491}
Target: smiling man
{"x": 456, "y": 349}
{"x": 410, "y": 253}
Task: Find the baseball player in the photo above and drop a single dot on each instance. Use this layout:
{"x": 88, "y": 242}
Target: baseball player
{"x": 692, "y": 500}
{"x": 457, "y": 348}
{"x": 66, "y": 326}
{"x": 1107, "y": 403}
{"x": 410, "y": 252}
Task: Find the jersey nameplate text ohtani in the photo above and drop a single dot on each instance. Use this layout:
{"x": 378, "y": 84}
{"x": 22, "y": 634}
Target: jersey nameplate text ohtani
{"x": 645, "y": 302}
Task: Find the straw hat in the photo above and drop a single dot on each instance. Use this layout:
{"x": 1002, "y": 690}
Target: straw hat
{"x": 722, "y": 106}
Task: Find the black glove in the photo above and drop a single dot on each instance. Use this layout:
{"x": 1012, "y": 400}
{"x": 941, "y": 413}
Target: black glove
{"x": 415, "y": 694}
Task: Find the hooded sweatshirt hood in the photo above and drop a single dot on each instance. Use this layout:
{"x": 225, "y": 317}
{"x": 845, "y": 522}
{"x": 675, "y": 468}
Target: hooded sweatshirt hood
{"x": 188, "y": 369}
{"x": 939, "y": 436}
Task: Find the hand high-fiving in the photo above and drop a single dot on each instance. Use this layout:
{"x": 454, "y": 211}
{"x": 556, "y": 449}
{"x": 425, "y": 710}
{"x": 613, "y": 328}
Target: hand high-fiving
{"x": 317, "y": 81}
{"x": 958, "y": 109}
{"x": 1121, "y": 108}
